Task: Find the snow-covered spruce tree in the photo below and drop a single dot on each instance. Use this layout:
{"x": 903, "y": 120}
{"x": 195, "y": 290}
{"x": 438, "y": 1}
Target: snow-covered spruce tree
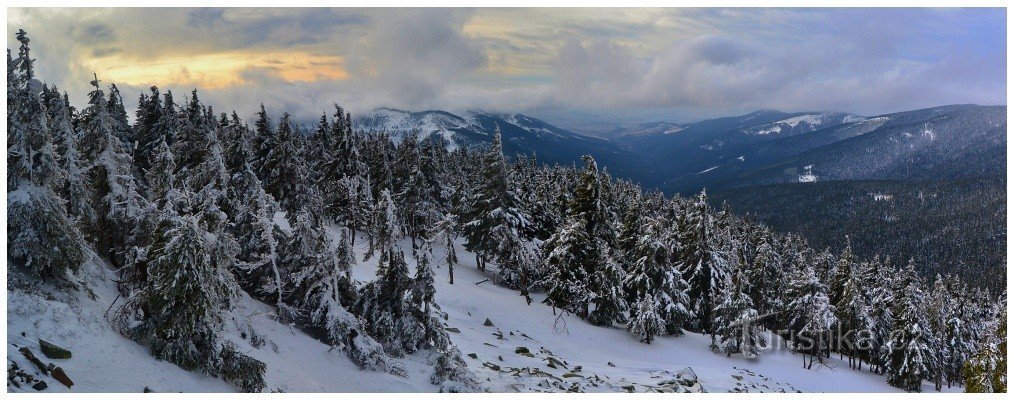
{"x": 586, "y": 203}
{"x": 259, "y": 263}
{"x": 178, "y": 312}
{"x": 161, "y": 176}
{"x": 765, "y": 278}
{"x": 842, "y": 272}
{"x": 418, "y": 209}
{"x": 645, "y": 324}
{"x": 383, "y": 226}
{"x": 352, "y": 203}
{"x": 567, "y": 253}
{"x": 422, "y": 298}
{"x": 317, "y": 283}
{"x": 736, "y": 321}
{"x": 631, "y": 229}
{"x": 339, "y": 170}
{"x": 701, "y": 261}
{"x": 855, "y": 324}
{"x": 606, "y": 288}
{"x": 261, "y": 143}
{"x": 119, "y": 114}
{"x": 321, "y": 291}
{"x": 75, "y": 189}
{"x": 811, "y": 315}
{"x": 284, "y": 172}
{"x": 325, "y": 290}
{"x": 193, "y": 139}
{"x": 879, "y": 283}
{"x": 986, "y": 370}
{"x": 151, "y": 128}
{"x": 909, "y": 351}
{"x": 115, "y": 196}
{"x": 384, "y": 304}
{"x": 442, "y": 232}
{"x": 238, "y": 151}
{"x": 653, "y": 277}
{"x": 494, "y": 215}
{"x": 957, "y": 342}
{"x": 42, "y": 236}
{"x": 317, "y": 145}
{"x": 584, "y": 212}
{"x": 344, "y": 254}
{"x": 938, "y": 310}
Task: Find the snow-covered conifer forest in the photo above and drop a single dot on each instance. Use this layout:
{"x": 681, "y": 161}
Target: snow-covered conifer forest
{"x": 192, "y": 249}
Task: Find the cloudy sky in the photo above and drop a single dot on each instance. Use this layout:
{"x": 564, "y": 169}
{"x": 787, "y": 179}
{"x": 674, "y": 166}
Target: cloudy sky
{"x": 675, "y": 64}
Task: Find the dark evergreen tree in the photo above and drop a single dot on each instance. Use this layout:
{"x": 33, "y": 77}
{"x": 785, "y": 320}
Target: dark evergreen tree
{"x": 42, "y": 236}
{"x": 178, "y": 312}
{"x": 494, "y": 220}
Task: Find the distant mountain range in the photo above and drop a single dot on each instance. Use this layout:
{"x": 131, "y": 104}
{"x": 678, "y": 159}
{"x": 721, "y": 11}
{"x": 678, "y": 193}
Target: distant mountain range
{"x": 925, "y": 184}
{"x": 762, "y": 147}
{"x": 522, "y": 135}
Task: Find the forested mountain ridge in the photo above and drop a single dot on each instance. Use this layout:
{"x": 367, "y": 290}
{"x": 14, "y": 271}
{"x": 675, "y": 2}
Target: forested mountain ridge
{"x": 522, "y": 135}
{"x": 194, "y": 210}
{"x": 948, "y": 142}
{"x": 949, "y": 227}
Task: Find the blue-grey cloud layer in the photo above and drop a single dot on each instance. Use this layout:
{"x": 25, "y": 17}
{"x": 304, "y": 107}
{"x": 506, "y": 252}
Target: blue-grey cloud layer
{"x": 690, "y": 62}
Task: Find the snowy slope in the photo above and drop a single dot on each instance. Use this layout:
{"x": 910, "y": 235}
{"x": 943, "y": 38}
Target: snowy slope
{"x": 105, "y": 361}
{"x": 593, "y": 348}
{"x": 595, "y": 358}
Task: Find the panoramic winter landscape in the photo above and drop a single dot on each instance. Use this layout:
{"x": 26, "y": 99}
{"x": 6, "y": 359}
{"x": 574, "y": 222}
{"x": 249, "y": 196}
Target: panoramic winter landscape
{"x": 506, "y": 200}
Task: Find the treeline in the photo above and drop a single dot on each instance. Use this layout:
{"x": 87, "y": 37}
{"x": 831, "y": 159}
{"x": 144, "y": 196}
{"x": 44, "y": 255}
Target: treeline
{"x": 183, "y": 202}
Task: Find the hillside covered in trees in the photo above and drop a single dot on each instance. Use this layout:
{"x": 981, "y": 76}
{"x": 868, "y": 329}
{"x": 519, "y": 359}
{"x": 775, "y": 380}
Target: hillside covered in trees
{"x": 193, "y": 209}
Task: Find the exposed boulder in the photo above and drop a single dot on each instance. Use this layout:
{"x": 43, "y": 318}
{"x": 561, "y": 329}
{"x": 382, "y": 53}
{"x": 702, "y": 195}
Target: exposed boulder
{"x": 62, "y": 377}
{"x": 34, "y": 360}
{"x": 53, "y": 351}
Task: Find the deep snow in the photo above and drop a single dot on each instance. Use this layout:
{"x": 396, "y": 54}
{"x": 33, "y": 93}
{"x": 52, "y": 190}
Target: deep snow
{"x": 595, "y": 358}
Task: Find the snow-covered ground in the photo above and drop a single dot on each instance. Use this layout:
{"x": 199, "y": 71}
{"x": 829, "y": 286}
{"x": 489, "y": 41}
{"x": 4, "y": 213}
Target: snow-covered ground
{"x": 563, "y": 352}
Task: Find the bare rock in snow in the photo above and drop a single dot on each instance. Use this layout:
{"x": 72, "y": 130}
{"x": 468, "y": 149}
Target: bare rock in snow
{"x": 34, "y": 360}
{"x": 62, "y": 377}
{"x": 53, "y": 351}
{"x": 686, "y": 376}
